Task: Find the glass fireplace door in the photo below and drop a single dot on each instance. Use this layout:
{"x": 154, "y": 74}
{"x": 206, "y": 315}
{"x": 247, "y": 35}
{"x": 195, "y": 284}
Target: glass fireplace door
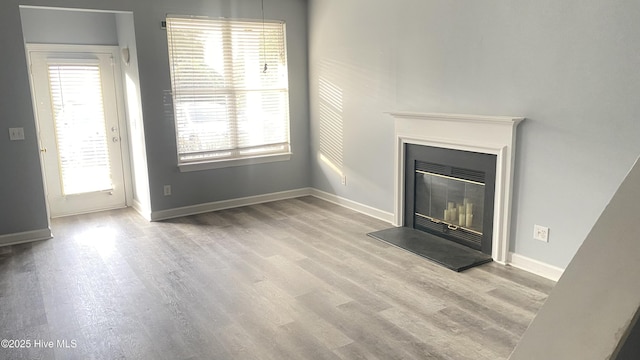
{"x": 457, "y": 203}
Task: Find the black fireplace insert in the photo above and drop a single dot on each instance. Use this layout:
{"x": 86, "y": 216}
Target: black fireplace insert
{"x": 450, "y": 193}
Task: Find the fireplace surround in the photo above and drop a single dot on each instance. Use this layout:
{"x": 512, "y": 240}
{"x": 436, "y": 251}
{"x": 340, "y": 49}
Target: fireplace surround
{"x": 493, "y": 135}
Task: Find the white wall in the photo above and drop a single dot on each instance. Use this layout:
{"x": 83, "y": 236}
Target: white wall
{"x": 569, "y": 67}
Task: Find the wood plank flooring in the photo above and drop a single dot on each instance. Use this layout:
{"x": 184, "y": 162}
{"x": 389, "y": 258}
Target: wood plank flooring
{"x": 293, "y": 279}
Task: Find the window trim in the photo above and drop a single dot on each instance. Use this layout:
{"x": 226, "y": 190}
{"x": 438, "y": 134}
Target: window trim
{"x": 220, "y": 164}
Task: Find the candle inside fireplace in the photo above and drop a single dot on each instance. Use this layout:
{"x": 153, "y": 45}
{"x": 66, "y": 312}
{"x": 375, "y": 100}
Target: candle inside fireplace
{"x": 469, "y": 220}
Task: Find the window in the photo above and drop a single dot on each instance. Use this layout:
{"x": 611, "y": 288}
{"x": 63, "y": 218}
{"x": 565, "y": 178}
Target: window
{"x": 230, "y": 88}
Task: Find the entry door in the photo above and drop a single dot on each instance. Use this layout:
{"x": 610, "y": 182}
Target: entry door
{"x": 79, "y": 130}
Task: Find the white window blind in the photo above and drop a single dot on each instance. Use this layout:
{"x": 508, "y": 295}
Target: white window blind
{"x": 226, "y": 106}
{"x": 83, "y": 153}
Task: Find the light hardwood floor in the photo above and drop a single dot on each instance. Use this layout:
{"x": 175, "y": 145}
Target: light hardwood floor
{"x": 293, "y": 279}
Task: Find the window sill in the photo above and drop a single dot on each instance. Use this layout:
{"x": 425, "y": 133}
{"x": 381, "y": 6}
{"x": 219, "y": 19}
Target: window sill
{"x": 219, "y": 164}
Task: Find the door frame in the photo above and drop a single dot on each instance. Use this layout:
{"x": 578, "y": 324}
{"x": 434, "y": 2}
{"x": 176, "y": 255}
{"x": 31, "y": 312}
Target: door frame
{"x": 114, "y": 51}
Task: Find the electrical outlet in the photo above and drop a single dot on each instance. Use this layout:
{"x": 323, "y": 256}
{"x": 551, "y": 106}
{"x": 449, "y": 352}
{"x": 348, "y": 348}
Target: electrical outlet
{"x": 16, "y": 133}
{"x": 344, "y": 180}
{"x": 167, "y": 190}
{"x": 541, "y": 233}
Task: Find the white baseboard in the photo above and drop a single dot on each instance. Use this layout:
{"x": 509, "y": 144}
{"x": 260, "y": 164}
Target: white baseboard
{"x": 258, "y": 199}
{"x": 355, "y": 206}
{"x": 25, "y": 237}
{"x": 226, "y": 204}
{"x": 535, "y": 267}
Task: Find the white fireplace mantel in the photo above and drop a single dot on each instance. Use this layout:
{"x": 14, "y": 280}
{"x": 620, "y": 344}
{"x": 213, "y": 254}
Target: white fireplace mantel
{"x": 478, "y": 133}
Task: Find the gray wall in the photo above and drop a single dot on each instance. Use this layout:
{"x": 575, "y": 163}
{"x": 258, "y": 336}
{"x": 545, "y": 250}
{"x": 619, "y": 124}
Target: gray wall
{"x": 68, "y": 27}
{"x": 22, "y": 202}
{"x": 593, "y": 307}
{"x": 569, "y": 67}
{"x": 229, "y": 183}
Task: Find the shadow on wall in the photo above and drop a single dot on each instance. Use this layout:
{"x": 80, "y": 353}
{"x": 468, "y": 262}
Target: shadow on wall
{"x": 331, "y": 123}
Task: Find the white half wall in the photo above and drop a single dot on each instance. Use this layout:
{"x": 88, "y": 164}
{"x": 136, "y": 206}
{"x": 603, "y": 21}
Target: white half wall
{"x": 590, "y": 310}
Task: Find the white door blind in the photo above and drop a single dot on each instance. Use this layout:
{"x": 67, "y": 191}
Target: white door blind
{"x": 226, "y": 105}
{"x": 78, "y": 112}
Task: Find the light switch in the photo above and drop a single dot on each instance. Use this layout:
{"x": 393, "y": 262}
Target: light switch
{"x": 16, "y": 133}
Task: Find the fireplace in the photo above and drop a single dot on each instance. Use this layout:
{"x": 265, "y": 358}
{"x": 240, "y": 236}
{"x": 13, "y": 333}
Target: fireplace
{"x": 454, "y": 185}
{"x": 450, "y": 193}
